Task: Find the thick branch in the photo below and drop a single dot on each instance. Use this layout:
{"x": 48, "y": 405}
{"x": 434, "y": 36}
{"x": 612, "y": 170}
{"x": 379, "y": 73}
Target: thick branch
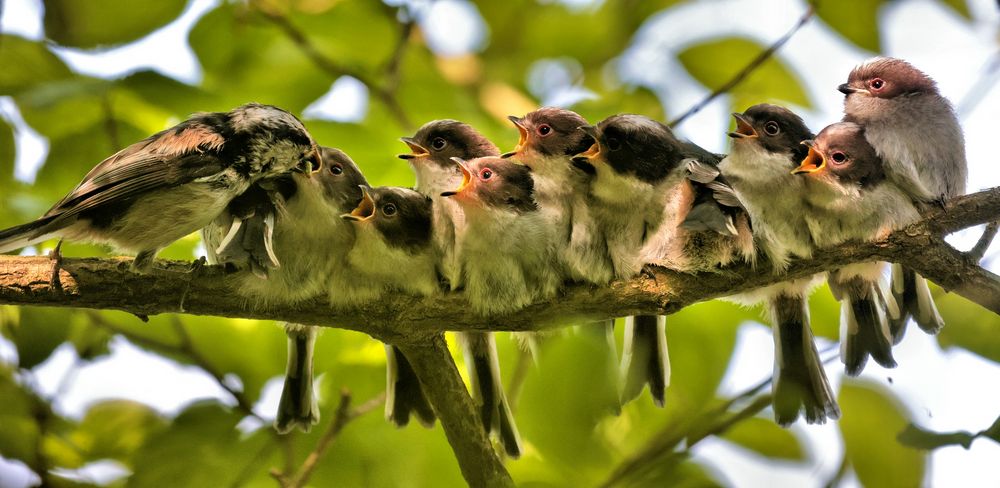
{"x": 446, "y": 391}
{"x": 107, "y": 284}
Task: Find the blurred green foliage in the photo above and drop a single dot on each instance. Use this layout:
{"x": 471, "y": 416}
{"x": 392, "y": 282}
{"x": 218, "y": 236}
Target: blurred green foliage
{"x": 288, "y": 54}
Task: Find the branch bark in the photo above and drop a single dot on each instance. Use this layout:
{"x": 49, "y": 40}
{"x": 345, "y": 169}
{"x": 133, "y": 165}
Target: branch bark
{"x": 107, "y": 284}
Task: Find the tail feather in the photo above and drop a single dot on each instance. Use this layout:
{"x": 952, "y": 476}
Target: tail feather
{"x": 25, "y": 235}
{"x": 915, "y": 300}
{"x": 799, "y": 379}
{"x": 297, "y": 406}
{"x": 645, "y": 359}
{"x": 404, "y": 394}
{"x": 487, "y": 389}
{"x": 864, "y": 328}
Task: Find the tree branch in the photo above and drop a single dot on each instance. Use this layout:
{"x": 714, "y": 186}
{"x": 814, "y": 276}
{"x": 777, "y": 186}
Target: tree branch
{"x": 434, "y": 366}
{"x": 107, "y": 284}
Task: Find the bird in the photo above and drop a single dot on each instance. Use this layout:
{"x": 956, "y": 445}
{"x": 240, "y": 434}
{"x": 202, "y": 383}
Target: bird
{"x": 766, "y": 148}
{"x": 431, "y": 150}
{"x": 270, "y": 236}
{"x": 393, "y": 252}
{"x": 850, "y": 195}
{"x": 174, "y": 182}
{"x": 915, "y": 131}
{"x": 636, "y": 163}
{"x": 504, "y": 247}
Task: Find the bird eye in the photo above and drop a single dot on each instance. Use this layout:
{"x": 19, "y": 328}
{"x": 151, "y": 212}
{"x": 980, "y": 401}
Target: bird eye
{"x": 544, "y": 130}
{"x": 876, "y": 83}
{"x": 838, "y": 157}
{"x": 336, "y": 169}
{"x": 486, "y": 173}
{"x": 772, "y": 128}
{"x": 613, "y": 143}
{"x": 439, "y": 143}
{"x": 389, "y": 209}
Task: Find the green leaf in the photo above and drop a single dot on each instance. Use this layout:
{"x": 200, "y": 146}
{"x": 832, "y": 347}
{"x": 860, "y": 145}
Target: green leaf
{"x": 961, "y": 7}
{"x": 94, "y": 23}
{"x": 767, "y": 438}
{"x": 27, "y": 64}
{"x": 20, "y": 431}
{"x": 39, "y": 331}
{"x": 872, "y": 420}
{"x": 715, "y": 62}
{"x": 969, "y": 326}
{"x": 920, "y": 438}
{"x": 8, "y": 153}
{"x": 993, "y": 431}
{"x": 855, "y": 20}
{"x": 116, "y": 429}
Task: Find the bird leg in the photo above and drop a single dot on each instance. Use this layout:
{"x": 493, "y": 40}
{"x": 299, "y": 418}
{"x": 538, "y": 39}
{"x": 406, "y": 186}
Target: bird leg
{"x": 192, "y": 273}
{"x": 56, "y": 256}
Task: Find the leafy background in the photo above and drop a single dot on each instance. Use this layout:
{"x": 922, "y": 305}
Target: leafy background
{"x": 100, "y": 398}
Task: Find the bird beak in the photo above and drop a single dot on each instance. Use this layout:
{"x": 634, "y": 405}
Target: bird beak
{"x": 847, "y": 89}
{"x": 743, "y": 127}
{"x": 466, "y": 178}
{"x": 813, "y": 162}
{"x": 584, "y": 160}
{"x": 311, "y": 164}
{"x": 523, "y": 139}
{"x": 416, "y": 150}
{"x": 365, "y": 209}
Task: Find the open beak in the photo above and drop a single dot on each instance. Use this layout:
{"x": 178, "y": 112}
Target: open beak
{"x": 311, "y": 164}
{"x": 847, "y": 89}
{"x": 523, "y": 139}
{"x": 813, "y": 162}
{"x": 743, "y": 127}
{"x": 584, "y": 160}
{"x": 416, "y": 150}
{"x": 466, "y": 178}
{"x": 365, "y": 209}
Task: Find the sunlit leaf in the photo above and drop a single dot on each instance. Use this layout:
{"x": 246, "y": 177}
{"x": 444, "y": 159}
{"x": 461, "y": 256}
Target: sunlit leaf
{"x": 7, "y": 153}
{"x": 961, "y": 7}
{"x": 115, "y": 429}
{"x": 715, "y": 62}
{"x": 26, "y": 64}
{"x": 765, "y": 437}
{"x": 855, "y": 20}
{"x": 968, "y": 326}
{"x": 920, "y": 438}
{"x": 38, "y": 333}
{"x": 96, "y": 23}
{"x": 872, "y": 420}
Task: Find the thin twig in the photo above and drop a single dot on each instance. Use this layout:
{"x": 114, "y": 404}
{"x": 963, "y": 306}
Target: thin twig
{"x": 979, "y": 250}
{"x": 748, "y": 69}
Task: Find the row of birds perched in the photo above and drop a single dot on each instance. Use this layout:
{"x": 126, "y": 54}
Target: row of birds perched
{"x": 573, "y": 202}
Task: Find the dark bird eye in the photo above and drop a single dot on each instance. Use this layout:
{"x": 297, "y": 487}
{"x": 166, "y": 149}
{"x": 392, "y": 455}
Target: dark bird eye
{"x": 613, "y": 143}
{"x": 389, "y": 209}
{"x": 772, "y": 128}
{"x": 838, "y": 157}
{"x": 876, "y": 83}
{"x": 486, "y": 173}
{"x": 544, "y": 130}
{"x": 336, "y": 169}
{"x": 439, "y": 143}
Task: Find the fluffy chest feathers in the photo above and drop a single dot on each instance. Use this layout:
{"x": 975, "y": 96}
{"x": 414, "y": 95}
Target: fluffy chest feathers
{"x": 379, "y": 262}
{"x": 841, "y": 213}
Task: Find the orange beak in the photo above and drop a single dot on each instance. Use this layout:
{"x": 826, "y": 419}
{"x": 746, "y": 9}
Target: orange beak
{"x": 365, "y": 209}
{"x": 416, "y": 150}
{"x": 466, "y": 178}
{"x": 743, "y": 127}
{"x": 523, "y": 138}
{"x": 813, "y": 162}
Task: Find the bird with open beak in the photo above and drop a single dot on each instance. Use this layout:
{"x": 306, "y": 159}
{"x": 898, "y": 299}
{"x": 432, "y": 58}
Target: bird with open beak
{"x": 849, "y": 196}
{"x": 270, "y": 235}
{"x": 393, "y": 252}
{"x": 432, "y": 148}
{"x": 766, "y": 147}
{"x": 915, "y": 132}
{"x": 175, "y": 182}
{"x": 636, "y": 166}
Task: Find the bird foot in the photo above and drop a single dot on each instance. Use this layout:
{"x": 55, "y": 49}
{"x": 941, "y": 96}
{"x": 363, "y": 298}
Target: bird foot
{"x": 196, "y": 267}
{"x": 56, "y": 256}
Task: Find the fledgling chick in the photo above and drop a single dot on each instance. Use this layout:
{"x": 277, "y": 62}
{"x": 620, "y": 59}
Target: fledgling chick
{"x": 175, "y": 182}
{"x": 294, "y": 222}
{"x": 393, "y": 252}
{"x": 766, "y": 148}
{"x": 849, "y": 196}
{"x": 636, "y": 163}
{"x": 432, "y": 148}
{"x": 915, "y": 132}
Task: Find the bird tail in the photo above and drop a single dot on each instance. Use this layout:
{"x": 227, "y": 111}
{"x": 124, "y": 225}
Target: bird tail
{"x": 404, "y": 394}
{"x": 644, "y": 358}
{"x": 25, "y": 235}
{"x": 864, "y": 327}
{"x": 297, "y": 407}
{"x": 799, "y": 379}
{"x": 915, "y": 300}
{"x": 487, "y": 389}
